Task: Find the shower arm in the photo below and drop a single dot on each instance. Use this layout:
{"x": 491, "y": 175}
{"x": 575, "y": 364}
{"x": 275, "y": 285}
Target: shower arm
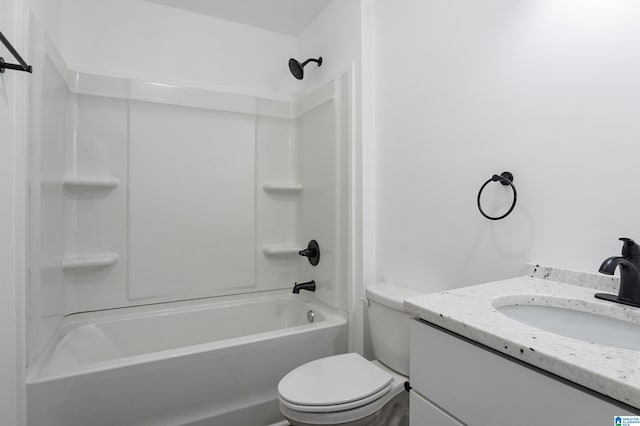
{"x": 318, "y": 61}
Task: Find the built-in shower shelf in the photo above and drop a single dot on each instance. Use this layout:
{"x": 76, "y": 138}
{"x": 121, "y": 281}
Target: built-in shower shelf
{"x": 280, "y": 249}
{"x": 95, "y": 182}
{"x": 284, "y": 188}
{"x": 90, "y": 261}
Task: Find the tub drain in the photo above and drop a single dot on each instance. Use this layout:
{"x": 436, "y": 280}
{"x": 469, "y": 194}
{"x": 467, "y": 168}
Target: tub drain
{"x": 311, "y": 316}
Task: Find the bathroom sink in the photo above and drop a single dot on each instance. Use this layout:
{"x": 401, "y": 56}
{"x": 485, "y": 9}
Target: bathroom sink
{"x": 578, "y": 325}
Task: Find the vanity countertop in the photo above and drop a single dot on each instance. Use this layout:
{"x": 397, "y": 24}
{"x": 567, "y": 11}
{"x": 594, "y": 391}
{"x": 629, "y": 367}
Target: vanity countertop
{"x": 471, "y": 312}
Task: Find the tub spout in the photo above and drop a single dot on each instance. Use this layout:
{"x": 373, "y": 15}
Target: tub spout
{"x": 309, "y": 286}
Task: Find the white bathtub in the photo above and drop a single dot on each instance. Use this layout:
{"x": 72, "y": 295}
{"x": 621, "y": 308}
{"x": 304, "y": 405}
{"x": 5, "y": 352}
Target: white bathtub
{"x": 207, "y": 362}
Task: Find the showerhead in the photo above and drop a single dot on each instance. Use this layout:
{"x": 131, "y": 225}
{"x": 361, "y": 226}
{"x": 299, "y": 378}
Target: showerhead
{"x": 297, "y": 68}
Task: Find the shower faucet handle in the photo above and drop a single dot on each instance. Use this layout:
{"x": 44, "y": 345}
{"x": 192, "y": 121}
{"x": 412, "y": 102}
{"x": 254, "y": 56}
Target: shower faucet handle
{"x": 312, "y": 252}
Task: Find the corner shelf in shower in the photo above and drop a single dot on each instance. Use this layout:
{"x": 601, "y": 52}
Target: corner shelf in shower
{"x": 284, "y": 188}
{"x": 91, "y": 182}
{"x": 280, "y": 249}
{"x": 90, "y": 261}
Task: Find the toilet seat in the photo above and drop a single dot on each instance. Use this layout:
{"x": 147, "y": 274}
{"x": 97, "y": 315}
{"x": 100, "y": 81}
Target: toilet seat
{"x": 337, "y": 407}
{"x": 339, "y": 413}
{"x": 340, "y": 380}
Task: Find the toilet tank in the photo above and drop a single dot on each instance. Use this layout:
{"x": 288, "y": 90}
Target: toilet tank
{"x": 389, "y": 324}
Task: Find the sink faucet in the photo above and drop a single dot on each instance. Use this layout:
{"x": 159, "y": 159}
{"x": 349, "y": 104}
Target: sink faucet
{"x": 309, "y": 286}
{"x": 629, "y": 263}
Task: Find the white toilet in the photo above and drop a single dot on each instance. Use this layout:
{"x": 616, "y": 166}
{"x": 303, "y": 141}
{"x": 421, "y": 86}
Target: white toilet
{"x": 349, "y": 390}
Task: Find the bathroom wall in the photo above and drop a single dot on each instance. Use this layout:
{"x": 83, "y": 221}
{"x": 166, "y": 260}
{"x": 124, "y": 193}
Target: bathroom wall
{"x": 334, "y": 35}
{"x": 49, "y": 13}
{"x": 546, "y": 89}
{"x": 10, "y": 375}
{"x": 146, "y": 40}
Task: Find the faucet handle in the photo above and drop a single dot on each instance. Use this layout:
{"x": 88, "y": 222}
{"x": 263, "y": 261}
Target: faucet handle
{"x": 629, "y": 248}
{"x": 312, "y": 252}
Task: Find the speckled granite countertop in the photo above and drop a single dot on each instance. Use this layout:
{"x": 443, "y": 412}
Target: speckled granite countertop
{"x": 471, "y": 312}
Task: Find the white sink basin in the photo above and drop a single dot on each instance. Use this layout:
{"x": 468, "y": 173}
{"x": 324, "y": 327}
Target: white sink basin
{"x": 578, "y": 325}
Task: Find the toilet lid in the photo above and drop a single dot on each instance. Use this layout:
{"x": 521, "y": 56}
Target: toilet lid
{"x": 339, "y": 379}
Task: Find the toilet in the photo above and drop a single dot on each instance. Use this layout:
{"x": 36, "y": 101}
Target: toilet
{"x": 348, "y": 389}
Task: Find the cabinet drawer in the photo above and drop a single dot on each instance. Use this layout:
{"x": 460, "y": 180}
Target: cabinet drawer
{"x": 481, "y": 387}
{"x": 424, "y": 413}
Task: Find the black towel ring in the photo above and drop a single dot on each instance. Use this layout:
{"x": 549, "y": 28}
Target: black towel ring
{"x": 505, "y": 178}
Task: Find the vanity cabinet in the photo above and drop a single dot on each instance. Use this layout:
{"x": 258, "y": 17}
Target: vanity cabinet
{"x": 423, "y": 413}
{"x": 456, "y": 381}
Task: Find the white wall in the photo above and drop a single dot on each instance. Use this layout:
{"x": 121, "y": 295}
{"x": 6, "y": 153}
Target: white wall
{"x": 12, "y": 151}
{"x": 547, "y": 89}
{"x": 140, "y": 39}
{"x": 49, "y": 13}
{"x": 334, "y": 35}
{"x": 8, "y": 318}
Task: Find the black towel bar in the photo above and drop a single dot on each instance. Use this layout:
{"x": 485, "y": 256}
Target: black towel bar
{"x": 22, "y": 66}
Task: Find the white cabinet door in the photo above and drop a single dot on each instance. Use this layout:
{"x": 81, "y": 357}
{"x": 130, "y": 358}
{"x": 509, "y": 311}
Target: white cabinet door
{"x": 483, "y": 388}
{"x": 424, "y": 413}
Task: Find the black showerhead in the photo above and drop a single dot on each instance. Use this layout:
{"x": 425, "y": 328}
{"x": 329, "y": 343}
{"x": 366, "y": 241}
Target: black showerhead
{"x": 297, "y": 68}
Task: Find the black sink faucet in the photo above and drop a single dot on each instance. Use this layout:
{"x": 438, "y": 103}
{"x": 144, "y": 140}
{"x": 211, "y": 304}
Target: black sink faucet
{"x": 629, "y": 263}
{"x": 309, "y": 286}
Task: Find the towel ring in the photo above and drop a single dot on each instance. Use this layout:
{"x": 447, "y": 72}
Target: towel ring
{"x": 504, "y": 178}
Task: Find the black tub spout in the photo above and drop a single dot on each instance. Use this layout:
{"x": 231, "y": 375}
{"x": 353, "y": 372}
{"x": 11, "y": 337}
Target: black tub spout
{"x": 309, "y": 286}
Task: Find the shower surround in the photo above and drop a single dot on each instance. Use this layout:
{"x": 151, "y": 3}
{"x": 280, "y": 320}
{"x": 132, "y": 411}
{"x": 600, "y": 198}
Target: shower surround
{"x": 146, "y": 193}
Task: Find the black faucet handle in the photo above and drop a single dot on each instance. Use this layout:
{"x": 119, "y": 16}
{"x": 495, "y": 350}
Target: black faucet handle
{"x": 312, "y": 252}
{"x": 307, "y": 252}
{"x": 629, "y": 248}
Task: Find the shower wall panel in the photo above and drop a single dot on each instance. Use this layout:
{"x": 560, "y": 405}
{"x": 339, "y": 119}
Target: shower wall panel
{"x": 276, "y": 219}
{"x": 97, "y": 216}
{"x": 183, "y": 193}
{"x": 171, "y": 204}
{"x": 191, "y": 201}
{"x": 324, "y": 128}
{"x": 49, "y": 99}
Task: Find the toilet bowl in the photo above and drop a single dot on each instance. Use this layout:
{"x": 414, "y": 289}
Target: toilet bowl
{"x": 347, "y": 389}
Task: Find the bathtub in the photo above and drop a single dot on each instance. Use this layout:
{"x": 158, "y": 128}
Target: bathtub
{"x": 208, "y": 362}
